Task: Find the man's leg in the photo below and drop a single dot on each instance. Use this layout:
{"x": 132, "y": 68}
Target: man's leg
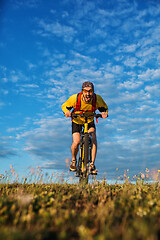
{"x": 75, "y": 145}
{"x": 76, "y": 128}
{"x": 92, "y": 131}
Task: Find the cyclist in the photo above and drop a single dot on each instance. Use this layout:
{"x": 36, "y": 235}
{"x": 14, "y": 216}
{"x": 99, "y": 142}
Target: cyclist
{"x": 88, "y": 101}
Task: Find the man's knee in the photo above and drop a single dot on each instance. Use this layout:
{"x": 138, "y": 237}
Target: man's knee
{"x": 76, "y": 139}
{"x": 94, "y": 138}
{"x": 76, "y": 143}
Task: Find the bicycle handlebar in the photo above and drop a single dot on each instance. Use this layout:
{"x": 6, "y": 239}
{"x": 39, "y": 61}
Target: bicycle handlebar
{"x": 74, "y": 115}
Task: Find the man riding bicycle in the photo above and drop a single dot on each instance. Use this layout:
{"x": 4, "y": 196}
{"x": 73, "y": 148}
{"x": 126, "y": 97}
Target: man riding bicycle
{"x": 88, "y": 101}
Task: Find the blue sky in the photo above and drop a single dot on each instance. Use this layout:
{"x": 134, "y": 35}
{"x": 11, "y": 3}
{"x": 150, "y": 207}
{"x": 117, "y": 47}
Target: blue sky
{"x": 47, "y": 49}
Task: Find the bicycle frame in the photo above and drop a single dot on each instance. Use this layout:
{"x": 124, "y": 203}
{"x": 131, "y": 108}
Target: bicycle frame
{"x": 85, "y": 153}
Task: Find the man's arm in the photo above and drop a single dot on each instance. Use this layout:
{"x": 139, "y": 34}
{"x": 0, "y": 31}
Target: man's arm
{"x": 102, "y": 107}
{"x": 68, "y": 105}
{"x": 68, "y": 114}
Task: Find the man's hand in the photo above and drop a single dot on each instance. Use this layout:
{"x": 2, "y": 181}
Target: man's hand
{"x": 68, "y": 114}
{"x": 104, "y": 115}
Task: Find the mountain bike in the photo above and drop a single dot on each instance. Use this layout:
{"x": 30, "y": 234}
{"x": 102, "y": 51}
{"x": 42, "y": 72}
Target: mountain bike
{"x": 85, "y": 152}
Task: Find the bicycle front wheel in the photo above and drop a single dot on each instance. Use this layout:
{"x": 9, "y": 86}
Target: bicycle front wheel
{"x": 86, "y": 151}
{"x": 85, "y": 167}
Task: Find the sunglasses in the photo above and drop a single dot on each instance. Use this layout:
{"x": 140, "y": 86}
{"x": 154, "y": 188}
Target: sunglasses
{"x": 87, "y": 91}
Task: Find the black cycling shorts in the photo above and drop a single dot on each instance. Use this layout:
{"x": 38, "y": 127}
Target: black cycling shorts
{"x": 78, "y": 127}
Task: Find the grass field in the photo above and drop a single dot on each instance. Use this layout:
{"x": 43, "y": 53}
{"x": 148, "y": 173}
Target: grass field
{"x": 70, "y": 211}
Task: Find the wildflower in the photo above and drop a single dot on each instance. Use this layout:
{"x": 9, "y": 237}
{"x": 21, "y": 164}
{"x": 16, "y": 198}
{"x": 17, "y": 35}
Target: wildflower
{"x": 67, "y": 160}
{"x": 143, "y": 176}
{"x": 32, "y": 171}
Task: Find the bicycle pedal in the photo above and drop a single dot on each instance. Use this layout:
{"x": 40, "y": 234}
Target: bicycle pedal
{"x": 93, "y": 173}
{"x": 72, "y": 170}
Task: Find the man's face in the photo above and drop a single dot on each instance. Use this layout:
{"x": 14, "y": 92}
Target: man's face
{"x": 87, "y": 93}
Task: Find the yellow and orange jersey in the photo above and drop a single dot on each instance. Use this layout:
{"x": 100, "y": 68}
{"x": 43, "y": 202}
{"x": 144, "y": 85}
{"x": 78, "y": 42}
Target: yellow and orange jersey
{"x": 71, "y": 104}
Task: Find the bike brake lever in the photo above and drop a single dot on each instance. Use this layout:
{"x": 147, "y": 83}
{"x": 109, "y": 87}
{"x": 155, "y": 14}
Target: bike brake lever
{"x": 98, "y": 116}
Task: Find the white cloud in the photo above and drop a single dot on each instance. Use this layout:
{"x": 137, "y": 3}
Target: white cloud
{"x": 48, "y": 165}
{"x": 31, "y": 66}
{"x": 98, "y": 33}
{"x": 14, "y": 78}
{"x": 130, "y": 85}
{"x": 14, "y": 129}
{"x": 131, "y": 62}
{"x": 89, "y": 73}
{"x": 49, "y": 140}
{"x": 32, "y": 85}
{"x": 153, "y": 90}
{"x": 146, "y": 51}
{"x": 127, "y": 96}
{"x": 57, "y": 29}
{"x": 130, "y": 48}
{"x": 4, "y": 91}
{"x": 6, "y": 150}
{"x": 28, "y": 3}
{"x": 149, "y": 75}
{"x": 154, "y": 10}
{"x": 2, "y": 104}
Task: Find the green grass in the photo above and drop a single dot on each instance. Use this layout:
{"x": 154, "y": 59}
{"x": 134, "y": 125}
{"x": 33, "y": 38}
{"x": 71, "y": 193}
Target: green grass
{"x": 70, "y": 211}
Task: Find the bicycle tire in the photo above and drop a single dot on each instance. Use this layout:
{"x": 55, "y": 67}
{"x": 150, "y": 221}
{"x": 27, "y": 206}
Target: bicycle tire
{"x": 90, "y": 148}
{"x": 86, "y": 151}
{"x": 83, "y": 174}
{"x": 81, "y": 163}
{"x": 80, "y": 159}
{"x": 86, "y": 159}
